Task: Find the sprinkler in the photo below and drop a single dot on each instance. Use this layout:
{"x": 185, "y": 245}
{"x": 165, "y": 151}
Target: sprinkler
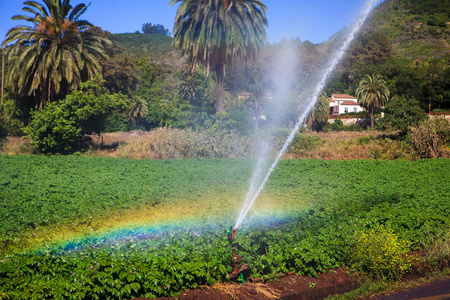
{"x": 237, "y": 270}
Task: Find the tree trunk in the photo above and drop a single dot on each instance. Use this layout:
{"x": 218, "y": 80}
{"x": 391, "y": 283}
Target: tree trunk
{"x": 219, "y": 104}
{"x": 429, "y": 105}
{"x": 371, "y": 118}
{"x": 350, "y": 76}
{"x": 3, "y": 78}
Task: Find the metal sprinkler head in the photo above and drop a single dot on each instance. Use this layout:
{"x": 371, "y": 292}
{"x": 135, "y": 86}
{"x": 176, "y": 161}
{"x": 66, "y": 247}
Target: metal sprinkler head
{"x": 236, "y": 259}
{"x": 231, "y": 233}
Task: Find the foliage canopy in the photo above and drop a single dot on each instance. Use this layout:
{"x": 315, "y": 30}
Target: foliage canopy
{"x": 214, "y": 32}
{"x": 52, "y": 56}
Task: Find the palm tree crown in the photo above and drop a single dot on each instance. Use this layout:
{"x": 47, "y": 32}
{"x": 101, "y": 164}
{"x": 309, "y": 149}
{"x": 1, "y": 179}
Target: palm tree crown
{"x": 54, "y": 54}
{"x": 320, "y": 112}
{"x": 214, "y": 32}
{"x": 373, "y": 93}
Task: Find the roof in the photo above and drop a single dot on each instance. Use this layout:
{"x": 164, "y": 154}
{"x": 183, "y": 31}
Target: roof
{"x": 349, "y": 102}
{"x": 343, "y": 96}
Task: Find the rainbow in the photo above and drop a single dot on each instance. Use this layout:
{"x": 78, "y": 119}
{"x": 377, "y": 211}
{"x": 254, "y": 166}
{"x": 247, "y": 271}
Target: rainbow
{"x": 152, "y": 222}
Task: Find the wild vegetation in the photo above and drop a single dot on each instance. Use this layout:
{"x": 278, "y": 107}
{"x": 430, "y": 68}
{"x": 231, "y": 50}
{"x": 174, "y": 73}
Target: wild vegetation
{"x": 163, "y": 88}
{"x": 86, "y": 226}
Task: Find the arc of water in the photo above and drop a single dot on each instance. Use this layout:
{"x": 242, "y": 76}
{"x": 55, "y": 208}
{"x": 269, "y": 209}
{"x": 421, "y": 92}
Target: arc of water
{"x": 319, "y": 87}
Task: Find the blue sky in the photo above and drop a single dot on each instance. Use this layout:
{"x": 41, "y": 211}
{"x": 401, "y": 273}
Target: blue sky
{"x": 312, "y": 20}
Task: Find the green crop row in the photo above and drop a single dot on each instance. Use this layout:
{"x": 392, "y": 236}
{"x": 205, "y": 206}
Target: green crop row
{"x": 328, "y": 202}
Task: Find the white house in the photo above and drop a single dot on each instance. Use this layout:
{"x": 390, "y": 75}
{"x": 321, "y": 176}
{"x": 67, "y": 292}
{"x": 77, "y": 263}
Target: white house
{"x": 343, "y": 103}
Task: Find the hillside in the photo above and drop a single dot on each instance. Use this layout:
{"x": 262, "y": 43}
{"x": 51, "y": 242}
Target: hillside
{"x": 157, "y": 47}
{"x": 415, "y": 29}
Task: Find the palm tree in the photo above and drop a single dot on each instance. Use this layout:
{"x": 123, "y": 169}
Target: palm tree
{"x": 191, "y": 87}
{"x": 52, "y": 56}
{"x": 372, "y": 93}
{"x": 256, "y": 101}
{"x": 214, "y": 32}
{"x": 321, "y": 111}
{"x": 138, "y": 109}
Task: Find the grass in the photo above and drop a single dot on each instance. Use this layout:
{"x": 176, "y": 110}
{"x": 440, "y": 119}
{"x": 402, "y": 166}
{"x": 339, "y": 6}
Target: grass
{"x": 370, "y": 287}
{"x": 167, "y": 143}
{"x": 342, "y": 145}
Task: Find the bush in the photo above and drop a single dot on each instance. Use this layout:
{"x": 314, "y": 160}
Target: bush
{"x": 380, "y": 253}
{"x": 401, "y": 112}
{"x": 168, "y": 143}
{"x": 431, "y": 138}
{"x": 3, "y": 132}
{"x": 439, "y": 255}
{"x": 302, "y": 143}
{"x": 62, "y": 127}
{"x": 338, "y": 125}
{"x": 54, "y": 130}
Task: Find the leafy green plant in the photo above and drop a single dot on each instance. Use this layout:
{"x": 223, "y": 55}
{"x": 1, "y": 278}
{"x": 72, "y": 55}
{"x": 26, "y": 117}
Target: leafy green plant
{"x": 3, "y": 132}
{"x": 62, "y": 127}
{"x": 311, "y": 234}
{"x": 302, "y": 143}
{"x": 401, "y": 112}
{"x": 54, "y": 129}
{"x": 439, "y": 255}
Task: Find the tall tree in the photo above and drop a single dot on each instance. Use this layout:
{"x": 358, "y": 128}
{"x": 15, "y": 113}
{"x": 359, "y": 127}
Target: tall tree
{"x": 55, "y": 53}
{"x": 372, "y": 93}
{"x": 320, "y": 113}
{"x": 138, "y": 109}
{"x": 214, "y": 32}
{"x": 256, "y": 101}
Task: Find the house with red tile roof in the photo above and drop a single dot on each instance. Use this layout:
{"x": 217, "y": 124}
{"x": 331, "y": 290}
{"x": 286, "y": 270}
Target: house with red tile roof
{"x": 343, "y": 103}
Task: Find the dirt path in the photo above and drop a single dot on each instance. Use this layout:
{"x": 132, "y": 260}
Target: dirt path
{"x": 438, "y": 290}
{"x": 308, "y": 288}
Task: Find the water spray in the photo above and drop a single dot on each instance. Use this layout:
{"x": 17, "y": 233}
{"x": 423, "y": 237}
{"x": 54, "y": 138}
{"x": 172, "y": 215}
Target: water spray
{"x": 248, "y": 203}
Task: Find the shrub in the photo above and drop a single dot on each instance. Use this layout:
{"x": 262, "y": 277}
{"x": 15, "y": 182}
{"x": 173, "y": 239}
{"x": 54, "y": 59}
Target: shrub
{"x": 62, "y": 127}
{"x": 3, "y": 132}
{"x": 302, "y": 143}
{"x": 431, "y": 138}
{"x": 380, "y": 253}
{"x": 167, "y": 143}
{"x": 439, "y": 255}
{"x": 338, "y": 125}
{"x": 401, "y": 112}
{"x": 54, "y": 130}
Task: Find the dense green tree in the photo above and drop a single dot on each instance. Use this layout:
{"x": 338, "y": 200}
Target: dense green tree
{"x": 64, "y": 127}
{"x": 214, "y": 32}
{"x": 435, "y": 84}
{"x": 368, "y": 51}
{"x": 372, "y": 93}
{"x": 402, "y": 112}
{"x": 3, "y": 132}
{"x": 256, "y": 101}
{"x": 319, "y": 115}
{"x": 191, "y": 87}
{"x": 138, "y": 109}
{"x": 55, "y": 53}
{"x": 154, "y": 29}
{"x": 118, "y": 69}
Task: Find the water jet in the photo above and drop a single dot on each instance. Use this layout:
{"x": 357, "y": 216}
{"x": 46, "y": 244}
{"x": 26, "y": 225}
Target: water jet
{"x": 254, "y": 193}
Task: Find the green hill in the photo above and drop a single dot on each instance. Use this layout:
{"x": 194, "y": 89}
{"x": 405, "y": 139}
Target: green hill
{"x": 415, "y": 29}
{"x": 157, "y": 47}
